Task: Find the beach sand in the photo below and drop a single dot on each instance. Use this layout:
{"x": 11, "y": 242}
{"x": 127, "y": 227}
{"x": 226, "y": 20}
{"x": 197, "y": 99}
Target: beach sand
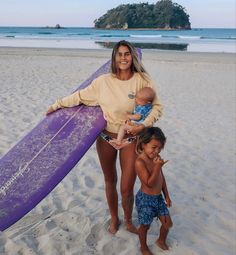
{"x": 198, "y": 94}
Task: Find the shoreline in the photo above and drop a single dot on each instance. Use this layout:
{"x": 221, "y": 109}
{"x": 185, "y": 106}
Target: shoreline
{"x": 67, "y": 52}
{"x": 62, "y": 43}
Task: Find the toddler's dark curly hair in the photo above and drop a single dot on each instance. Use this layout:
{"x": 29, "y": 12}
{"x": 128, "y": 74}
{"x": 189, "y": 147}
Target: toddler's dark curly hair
{"x": 147, "y": 135}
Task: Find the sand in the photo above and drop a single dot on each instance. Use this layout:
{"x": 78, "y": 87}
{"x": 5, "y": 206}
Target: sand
{"x": 198, "y": 94}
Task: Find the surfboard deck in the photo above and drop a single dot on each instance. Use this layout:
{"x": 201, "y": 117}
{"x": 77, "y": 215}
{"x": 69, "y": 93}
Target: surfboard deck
{"x": 41, "y": 159}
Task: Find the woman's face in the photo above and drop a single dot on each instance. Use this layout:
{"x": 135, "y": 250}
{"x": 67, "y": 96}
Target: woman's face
{"x": 123, "y": 58}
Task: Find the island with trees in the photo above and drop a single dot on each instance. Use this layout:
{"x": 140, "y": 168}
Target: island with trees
{"x": 163, "y": 15}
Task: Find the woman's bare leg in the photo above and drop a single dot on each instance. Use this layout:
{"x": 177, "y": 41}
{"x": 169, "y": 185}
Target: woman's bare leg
{"x": 107, "y": 156}
{"x": 128, "y": 176}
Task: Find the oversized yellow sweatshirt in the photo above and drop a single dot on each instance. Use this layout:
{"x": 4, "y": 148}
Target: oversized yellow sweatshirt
{"x": 115, "y": 97}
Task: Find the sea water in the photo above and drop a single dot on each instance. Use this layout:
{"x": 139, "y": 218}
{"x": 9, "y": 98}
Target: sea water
{"x": 197, "y": 39}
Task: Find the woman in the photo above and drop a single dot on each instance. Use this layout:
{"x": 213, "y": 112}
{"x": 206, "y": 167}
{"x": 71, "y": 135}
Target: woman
{"x": 114, "y": 93}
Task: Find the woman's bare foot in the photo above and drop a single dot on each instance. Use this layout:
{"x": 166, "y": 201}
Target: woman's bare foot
{"x": 114, "y": 227}
{"x": 162, "y": 245}
{"x": 146, "y": 251}
{"x": 130, "y": 227}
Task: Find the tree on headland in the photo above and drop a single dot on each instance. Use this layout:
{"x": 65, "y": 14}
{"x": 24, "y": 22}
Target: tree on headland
{"x": 163, "y": 15}
{"x": 171, "y": 15}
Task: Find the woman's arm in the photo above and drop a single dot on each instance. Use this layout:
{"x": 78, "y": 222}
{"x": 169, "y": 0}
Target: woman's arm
{"x": 88, "y": 96}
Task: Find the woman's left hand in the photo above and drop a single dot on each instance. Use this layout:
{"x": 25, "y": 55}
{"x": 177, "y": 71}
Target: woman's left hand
{"x": 135, "y": 129}
{"x": 50, "y": 110}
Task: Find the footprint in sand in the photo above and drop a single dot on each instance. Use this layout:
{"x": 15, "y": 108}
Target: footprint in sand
{"x": 94, "y": 236}
{"x": 89, "y": 182}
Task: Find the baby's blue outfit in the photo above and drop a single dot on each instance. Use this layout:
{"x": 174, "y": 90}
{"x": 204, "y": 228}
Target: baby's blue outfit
{"x": 149, "y": 207}
{"x": 143, "y": 110}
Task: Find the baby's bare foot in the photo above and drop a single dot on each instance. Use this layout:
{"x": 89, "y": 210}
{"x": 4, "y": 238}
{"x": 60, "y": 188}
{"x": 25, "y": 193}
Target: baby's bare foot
{"x": 118, "y": 142}
{"x": 162, "y": 245}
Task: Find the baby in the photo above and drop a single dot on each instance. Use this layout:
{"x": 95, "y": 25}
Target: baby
{"x": 143, "y": 105}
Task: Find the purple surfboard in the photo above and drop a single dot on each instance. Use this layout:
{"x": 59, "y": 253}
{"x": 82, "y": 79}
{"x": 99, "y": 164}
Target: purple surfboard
{"x": 38, "y": 162}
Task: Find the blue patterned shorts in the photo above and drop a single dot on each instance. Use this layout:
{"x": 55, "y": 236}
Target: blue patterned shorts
{"x": 149, "y": 207}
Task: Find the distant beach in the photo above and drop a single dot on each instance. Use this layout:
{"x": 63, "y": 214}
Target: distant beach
{"x": 195, "y": 40}
{"x": 197, "y": 91}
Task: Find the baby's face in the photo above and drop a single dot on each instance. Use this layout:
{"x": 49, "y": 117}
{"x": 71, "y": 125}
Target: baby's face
{"x": 140, "y": 100}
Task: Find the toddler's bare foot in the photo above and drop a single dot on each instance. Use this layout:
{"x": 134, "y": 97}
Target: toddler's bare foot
{"x": 114, "y": 227}
{"x": 162, "y": 245}
{"x": 146, "y": 251}
{"x": 130, "y": 227}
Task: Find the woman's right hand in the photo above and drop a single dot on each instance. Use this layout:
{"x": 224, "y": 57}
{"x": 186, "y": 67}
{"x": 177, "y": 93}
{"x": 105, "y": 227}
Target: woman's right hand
{"x": 50, "y": 110}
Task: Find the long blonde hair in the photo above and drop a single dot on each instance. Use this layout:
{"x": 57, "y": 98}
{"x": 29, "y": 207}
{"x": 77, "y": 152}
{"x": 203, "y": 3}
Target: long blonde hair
{"x": 136, "y": 66}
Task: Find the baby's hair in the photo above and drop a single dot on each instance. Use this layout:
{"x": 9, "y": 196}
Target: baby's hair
{"x": 147, "y": 135}
{"x": 147, "y": 93}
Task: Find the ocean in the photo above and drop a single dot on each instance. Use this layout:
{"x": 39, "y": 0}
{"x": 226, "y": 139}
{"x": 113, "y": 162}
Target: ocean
{"x": 195, "y": 40}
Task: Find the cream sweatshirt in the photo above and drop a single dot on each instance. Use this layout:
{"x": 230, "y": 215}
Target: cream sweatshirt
{"x": 115, "y": 97}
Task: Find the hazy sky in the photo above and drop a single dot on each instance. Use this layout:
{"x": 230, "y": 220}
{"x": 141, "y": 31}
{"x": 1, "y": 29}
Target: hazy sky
{"x": 203, "y": 13}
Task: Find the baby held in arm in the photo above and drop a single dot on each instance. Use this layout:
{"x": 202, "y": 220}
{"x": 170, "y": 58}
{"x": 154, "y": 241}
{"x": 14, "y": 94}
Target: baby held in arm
{"x": 143, "y": 106}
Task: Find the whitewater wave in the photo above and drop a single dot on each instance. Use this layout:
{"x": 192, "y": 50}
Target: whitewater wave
{"x": 189, "y": 37}
{"x": 146, "y": 36}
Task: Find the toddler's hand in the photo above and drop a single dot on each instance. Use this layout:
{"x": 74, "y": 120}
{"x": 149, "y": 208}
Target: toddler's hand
{"x": 160, "y": 161}
{"x": 168, "y": 202}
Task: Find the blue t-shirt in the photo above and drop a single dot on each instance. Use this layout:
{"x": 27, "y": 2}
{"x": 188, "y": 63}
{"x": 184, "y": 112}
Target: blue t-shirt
{"x": 143, "y": 110}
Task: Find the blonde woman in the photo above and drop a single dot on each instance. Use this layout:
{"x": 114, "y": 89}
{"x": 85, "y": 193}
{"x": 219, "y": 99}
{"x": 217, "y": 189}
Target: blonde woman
{"x": 114, "y": 93}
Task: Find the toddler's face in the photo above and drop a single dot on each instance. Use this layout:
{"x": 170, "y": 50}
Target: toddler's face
{"x": 153, "y": 148}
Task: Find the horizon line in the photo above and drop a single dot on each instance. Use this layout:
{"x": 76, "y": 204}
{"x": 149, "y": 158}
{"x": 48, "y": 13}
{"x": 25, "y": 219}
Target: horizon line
{"x": 47, "y": 26}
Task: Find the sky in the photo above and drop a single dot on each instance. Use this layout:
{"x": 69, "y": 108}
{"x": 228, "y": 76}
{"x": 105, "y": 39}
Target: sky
{"x": 82, "y": 13}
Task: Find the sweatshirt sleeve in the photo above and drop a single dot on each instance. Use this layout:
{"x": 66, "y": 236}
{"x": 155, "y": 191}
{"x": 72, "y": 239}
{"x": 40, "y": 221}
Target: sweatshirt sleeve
{"x": 156, "y": 111}
{"x": 88, "y": 96}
